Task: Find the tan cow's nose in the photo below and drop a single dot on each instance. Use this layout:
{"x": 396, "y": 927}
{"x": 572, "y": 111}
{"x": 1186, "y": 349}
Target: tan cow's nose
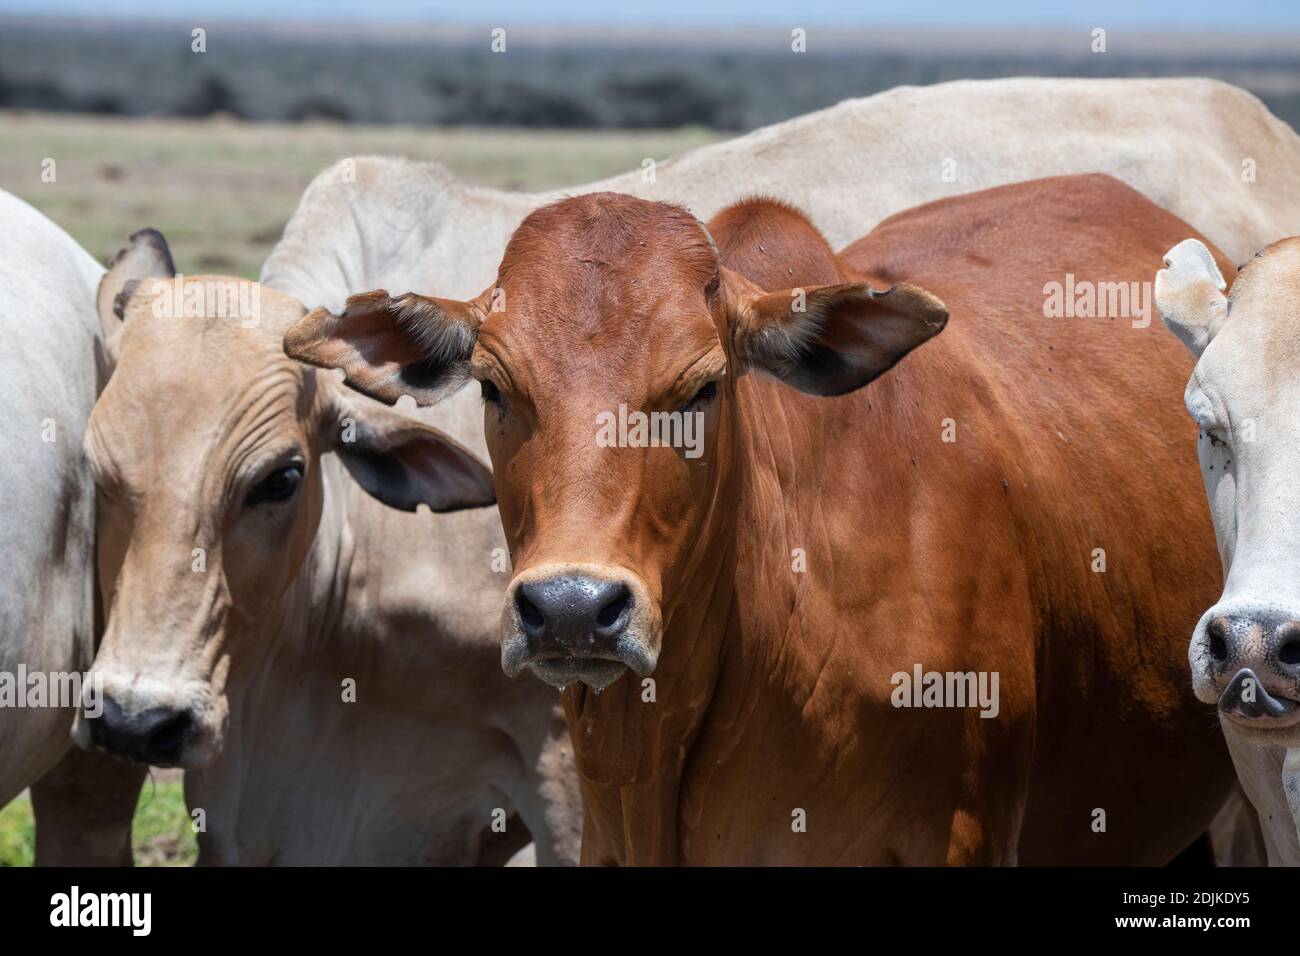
{"x": 155, "y": 736}
{"x": 574, "y": 615}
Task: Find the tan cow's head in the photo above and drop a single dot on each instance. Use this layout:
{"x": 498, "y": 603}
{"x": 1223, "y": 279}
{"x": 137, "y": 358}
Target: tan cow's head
{"x": 608, "y": 309}
{"x": 206, "y": 447}
{"x": 1244, "y": 395}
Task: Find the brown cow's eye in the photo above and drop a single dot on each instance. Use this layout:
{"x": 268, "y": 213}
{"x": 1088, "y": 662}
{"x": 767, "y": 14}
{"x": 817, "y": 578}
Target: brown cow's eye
{"x": 490, "y": 392}
{"x": 279, "y": 485}
{"x": 702, "y": 397}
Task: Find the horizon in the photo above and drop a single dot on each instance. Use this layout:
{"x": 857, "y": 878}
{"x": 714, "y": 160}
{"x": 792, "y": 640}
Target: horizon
{"x": 1254, "y": 17}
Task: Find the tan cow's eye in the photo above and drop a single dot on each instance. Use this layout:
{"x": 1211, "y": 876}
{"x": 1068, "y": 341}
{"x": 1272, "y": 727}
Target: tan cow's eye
{"x": 279, "y": 485}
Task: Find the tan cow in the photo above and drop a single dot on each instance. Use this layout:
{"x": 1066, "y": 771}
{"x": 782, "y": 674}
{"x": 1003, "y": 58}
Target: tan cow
{"x": 279, "y": 621}
{"x": 1244, "y": 396}
{"x": 934, "y": 619}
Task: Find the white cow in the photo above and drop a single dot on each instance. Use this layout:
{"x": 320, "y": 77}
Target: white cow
{"x": 51, "y": 369}
{"x": 373, "y": 222}
{"x": 1244, "y": 396}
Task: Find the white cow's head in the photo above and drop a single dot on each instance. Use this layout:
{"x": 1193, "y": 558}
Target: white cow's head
{"x": 1245, "y": 397}
{"x": 207, "y": 448}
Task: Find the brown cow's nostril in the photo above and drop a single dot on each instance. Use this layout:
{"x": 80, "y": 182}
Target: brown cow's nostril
{"x": 528, "y": 611}
{"x": 611, "y": 612}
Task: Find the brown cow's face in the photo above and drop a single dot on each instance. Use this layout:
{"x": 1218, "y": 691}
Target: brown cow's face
{"x": 606, "y": 393}
{"x": 608, "y": 353}
{"x": 206, "y": 446}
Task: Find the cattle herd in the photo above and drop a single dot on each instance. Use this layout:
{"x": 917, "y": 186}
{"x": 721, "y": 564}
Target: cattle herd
{"x": 738, "y": 549}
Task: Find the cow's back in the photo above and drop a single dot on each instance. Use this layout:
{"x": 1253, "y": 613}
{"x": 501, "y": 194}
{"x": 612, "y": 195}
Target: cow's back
{"x": 1076, "y": 423}
{"x": 48, "y": 384}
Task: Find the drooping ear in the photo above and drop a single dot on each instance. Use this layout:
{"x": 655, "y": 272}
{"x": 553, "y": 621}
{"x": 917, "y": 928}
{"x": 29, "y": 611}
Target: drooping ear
{"x": 147, "y": 257}
{"x": 1189, "y": 295}
{"x": 403, "y": 462}
{"x": 830, "y": 339}
{"x": 389, "y": 347}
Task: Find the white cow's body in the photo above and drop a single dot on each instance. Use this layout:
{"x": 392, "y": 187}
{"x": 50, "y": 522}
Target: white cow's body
{"x": 51, "y": 368}
{"x": 372, "y": 222}
{"x": 48, "y": 384}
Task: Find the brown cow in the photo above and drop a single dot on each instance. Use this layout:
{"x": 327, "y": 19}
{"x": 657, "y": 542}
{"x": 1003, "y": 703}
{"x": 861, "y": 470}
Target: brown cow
{"x": 987, "y": 509}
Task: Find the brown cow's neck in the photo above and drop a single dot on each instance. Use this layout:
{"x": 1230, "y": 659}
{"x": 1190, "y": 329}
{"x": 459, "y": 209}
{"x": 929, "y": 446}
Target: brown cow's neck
{"x": 633, "y": 742}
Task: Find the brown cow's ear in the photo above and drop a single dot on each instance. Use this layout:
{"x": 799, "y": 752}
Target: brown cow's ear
{"x": 147, "y": 257}
{"x": 401, "y": 461}
{"x": 830, "y": 339}
{"x": 389, "y": 347}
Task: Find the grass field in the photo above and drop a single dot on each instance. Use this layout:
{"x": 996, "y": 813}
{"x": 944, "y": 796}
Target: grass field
{"x": 161, "y": 833}
{"x": 221, "y": 191}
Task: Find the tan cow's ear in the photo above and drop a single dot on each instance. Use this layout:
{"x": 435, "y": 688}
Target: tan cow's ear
{"x": 830, "y": 339}
{"x": 389, "y": 347}
{"x": 1189, "y": 295}
{"x": 403, "y": 462}
{"x": 147, "y": 257}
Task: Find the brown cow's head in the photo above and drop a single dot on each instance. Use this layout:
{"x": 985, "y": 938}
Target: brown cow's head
{"x": 608, "y": 353}
{"x": 207, "y": 447}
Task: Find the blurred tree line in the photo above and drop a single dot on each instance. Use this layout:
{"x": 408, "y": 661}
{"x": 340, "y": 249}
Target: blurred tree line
{"x": 152, "y": 71}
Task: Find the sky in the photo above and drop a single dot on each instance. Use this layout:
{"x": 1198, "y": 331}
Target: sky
{"x": 1247, "y": 15}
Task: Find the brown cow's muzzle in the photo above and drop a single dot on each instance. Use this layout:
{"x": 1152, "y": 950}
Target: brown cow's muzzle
{"x": 579, "y": 622}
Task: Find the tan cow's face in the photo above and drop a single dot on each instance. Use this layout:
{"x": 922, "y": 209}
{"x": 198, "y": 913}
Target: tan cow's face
{"x": 1245, "y": 397}
{"x": 206, "y": 448}
{"x": 608, "y": 312}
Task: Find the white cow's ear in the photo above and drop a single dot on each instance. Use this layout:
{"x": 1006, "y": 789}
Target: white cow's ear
{"x": 147, "y": 257}
{"x": 403, "y": 462}
{"x": 830, "y": 339}
{"x": 389, "y": 347}
{"x": 1189, "y": 295}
